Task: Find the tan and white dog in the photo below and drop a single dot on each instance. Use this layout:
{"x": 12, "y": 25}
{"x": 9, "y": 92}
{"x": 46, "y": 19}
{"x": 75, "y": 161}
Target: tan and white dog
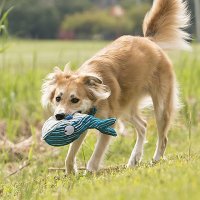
{"x": 119, "y": 77}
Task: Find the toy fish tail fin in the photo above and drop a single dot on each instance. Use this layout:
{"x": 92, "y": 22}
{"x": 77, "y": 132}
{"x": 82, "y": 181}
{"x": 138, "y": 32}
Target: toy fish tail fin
{"x": 110, "y": 131}
{"x": 105, "y": 126}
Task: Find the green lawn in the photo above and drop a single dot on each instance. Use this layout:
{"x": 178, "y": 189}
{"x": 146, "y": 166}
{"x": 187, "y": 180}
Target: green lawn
{"x": 22, "y": 68}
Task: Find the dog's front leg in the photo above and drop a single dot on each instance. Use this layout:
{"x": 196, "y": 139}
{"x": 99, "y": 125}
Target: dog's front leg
{"x": 70, "y": 162}
{"x": 99, "y": 152}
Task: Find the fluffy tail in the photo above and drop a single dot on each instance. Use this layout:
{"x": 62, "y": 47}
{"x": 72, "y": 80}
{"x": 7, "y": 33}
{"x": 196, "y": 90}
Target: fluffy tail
{"x": 165, "y": 23}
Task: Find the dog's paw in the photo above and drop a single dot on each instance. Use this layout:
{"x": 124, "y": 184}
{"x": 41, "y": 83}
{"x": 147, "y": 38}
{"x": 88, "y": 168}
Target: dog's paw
{"x": 154, "y": 161}
{"x": 71, "y": 168}
{"x": 134, "y": 160}
{"x": 92, "y": 167}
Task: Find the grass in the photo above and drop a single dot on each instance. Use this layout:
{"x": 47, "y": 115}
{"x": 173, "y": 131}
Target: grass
{"x": 22, "y": 68}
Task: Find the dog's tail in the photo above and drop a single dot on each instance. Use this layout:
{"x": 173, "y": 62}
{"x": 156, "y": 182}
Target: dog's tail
{"x": 165, "y": 23}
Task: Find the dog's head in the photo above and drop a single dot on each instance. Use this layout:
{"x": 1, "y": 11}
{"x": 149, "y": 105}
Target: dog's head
{"x": 67, "y": 92}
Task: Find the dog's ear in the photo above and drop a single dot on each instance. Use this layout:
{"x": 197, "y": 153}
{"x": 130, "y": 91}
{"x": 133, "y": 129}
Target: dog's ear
{"x": 56, "y": 70}
{"x": 48, "y": 87}
{"x": 97, "y": 90}
{"x": 67, "y": 68}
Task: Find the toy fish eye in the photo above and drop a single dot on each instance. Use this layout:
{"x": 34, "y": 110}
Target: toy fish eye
{"x": 69, "y": 130}
{"x": 75, "y": 100}
{"x": 58, "y": 99}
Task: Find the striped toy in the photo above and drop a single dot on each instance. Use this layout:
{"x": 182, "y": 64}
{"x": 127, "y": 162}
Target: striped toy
{"x": 63, "y": 132}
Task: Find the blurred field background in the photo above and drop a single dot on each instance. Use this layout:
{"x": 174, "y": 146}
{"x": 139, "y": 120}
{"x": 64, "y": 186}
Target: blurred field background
{"x": 28, "y": 54}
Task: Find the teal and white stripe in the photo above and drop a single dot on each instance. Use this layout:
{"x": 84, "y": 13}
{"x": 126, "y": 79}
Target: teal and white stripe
{"x": 54, "y": 131}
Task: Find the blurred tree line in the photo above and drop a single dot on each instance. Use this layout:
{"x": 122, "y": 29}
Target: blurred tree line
{"x": 73, "y": 19}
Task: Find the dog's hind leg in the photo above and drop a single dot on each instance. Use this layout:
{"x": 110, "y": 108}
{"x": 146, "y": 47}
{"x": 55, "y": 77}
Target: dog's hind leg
{"x": 164, "y": 101}
{"x": 140, "y": 126}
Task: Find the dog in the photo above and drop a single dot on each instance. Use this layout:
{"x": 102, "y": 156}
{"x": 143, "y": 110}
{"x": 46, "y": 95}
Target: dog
{"x": 119, "y": 77}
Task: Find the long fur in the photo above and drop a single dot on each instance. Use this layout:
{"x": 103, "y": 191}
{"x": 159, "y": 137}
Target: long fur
{"x": 165, "y": 24}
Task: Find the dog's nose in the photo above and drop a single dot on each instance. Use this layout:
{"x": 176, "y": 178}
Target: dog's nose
{"x": 60, "y": 116}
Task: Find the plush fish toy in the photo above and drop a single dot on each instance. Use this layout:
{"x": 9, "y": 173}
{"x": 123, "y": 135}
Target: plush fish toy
{"x": 63, "y": 132}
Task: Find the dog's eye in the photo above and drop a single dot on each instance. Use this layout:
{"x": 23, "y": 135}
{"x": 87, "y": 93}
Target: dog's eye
{"x": 75, "y": 100}
{"x": 58, "y": 99}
